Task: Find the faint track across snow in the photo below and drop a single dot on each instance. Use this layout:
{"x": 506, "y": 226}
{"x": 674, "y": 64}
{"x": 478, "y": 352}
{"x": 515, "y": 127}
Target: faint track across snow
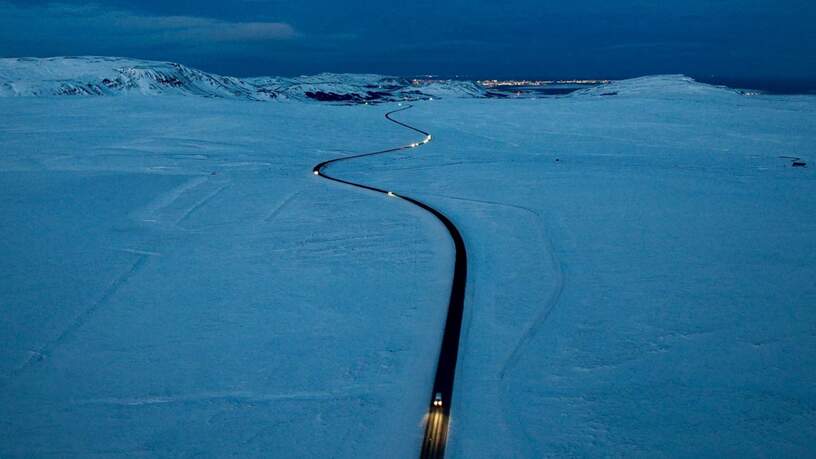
{"x": 277, "y": 209}
{"x": 49, "y": 347}
{"x": 552, "y": 300}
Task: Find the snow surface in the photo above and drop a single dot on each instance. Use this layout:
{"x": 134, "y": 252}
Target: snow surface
{"x": 151, "y": 308}
{"x": 642, "y": 267}
{"x": 176, "y": 282}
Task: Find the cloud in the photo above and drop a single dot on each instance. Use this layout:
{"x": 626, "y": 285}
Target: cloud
{"x": 94, "y": 28}
{"x": 192, "y": 28}
{"x": 659, "y": 45}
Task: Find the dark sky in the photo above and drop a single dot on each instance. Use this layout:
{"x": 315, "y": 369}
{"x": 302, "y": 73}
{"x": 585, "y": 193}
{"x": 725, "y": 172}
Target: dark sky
{"x": 525, "y": 38}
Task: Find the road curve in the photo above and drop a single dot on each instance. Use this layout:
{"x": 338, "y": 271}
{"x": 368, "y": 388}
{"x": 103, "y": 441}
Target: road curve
{"x": 438, "y": 416}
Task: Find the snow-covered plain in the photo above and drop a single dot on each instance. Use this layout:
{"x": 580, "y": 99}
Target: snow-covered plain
{"x": 152, "y": 308}
{"x": 641, "y": 269}
{"x": 176, "y": 282}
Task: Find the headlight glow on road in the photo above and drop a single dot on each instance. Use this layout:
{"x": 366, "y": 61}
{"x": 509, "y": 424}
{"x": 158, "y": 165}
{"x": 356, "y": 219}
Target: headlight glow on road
{"x": 316, "y": 172}
{"x": 391, "y": 193}
{"x": 436, "y": 434}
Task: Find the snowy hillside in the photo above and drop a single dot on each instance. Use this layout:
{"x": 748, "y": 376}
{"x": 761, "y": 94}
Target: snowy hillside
{"x": 97, "y": 76}
{"x": 365, "y": 88}
{"x": 112, "y": 75}
{"x": 663, "y": 86}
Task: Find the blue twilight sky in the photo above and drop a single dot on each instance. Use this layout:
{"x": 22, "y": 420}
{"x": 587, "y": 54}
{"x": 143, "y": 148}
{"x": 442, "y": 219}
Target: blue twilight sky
{"x": 759, "y": 39}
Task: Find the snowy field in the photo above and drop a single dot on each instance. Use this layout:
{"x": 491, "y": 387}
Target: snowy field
{"x": 641, "y": 270}
{"x": 175, "y": 282}
{"x": 152, "y": 308}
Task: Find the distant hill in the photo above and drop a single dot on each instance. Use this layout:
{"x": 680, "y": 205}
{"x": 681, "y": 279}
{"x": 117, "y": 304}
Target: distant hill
{"x": 109, "y": 76}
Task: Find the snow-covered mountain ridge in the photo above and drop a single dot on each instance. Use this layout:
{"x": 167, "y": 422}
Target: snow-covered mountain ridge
{"x": 97, "y": 76}
{"x": 664, "y": 86}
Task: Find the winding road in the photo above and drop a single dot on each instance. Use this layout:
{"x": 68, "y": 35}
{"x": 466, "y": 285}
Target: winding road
{"x": 438, "y": 417}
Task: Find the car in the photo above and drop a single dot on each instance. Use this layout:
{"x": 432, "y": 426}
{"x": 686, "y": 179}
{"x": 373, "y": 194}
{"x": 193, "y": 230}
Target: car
{"x": 437, "y": 401}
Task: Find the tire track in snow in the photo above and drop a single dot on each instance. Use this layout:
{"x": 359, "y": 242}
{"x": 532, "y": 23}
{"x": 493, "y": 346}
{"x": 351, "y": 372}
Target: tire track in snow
{"x": 277, "y": 210}
{"x": 201, "y": 203}
{"x": 553, "y": 298}
{"x": 46, "y": 350}
{"x": 151, "y": 212}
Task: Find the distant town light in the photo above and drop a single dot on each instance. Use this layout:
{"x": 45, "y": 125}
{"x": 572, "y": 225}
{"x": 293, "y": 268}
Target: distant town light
{"x": 499, "y": 83}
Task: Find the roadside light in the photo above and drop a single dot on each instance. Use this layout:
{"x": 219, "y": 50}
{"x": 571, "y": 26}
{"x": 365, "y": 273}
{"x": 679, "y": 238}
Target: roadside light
{"x": 391, "y": 193}
{"x": 316, "y": 172}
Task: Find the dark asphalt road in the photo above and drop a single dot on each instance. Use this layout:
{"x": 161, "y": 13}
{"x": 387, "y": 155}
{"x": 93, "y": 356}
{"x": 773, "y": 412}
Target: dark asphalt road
{"x": 438, "y": 417}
